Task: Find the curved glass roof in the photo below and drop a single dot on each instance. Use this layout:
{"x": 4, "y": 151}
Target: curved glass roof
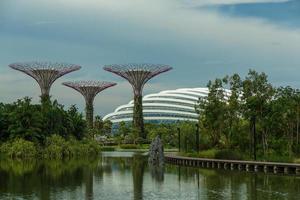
{"x": 172, "y": 105}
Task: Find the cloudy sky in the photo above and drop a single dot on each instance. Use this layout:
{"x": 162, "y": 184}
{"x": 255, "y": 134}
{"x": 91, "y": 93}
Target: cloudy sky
{"x": 201, "y": 39}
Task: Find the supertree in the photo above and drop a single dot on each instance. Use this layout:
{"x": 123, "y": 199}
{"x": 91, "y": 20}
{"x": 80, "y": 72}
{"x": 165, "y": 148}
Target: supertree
{"x": 45, "y": 73}
{"x": 138, "y": 75}
{"x": 89, "y": 90}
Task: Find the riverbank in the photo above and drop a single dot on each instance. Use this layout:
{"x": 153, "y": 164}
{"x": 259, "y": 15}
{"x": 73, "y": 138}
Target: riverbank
{"x": 55, "y": 147}
{"x": 138, "y": 149}
{"x": 227, "y": 154}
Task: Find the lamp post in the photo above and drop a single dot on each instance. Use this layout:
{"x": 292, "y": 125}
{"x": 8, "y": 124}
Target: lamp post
{"x": 186, "y": 143}
{"x": 197, "y": 138}
{"x": 254, "y": 136}
{"x": 178, "y": 130}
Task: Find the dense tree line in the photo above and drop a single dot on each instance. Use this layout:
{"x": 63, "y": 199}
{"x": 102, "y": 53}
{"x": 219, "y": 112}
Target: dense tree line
{"x": 45, "y": 130}
{"x": 255, "y": 117}
{"x": 35, "y": 122}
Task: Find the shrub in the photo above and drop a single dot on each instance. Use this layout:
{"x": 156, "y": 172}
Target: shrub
{"x": 140, "y": 141}
{"x": 90, "y": 147}
{"x": 19, "y": 148}
{"x": 108, "y": 148}
{"x": 128, "y": 146}
{"x": 128, "y": 139}
{"x": 228, "y": 154}
{"x": 210, "y": 153}
{"x": 56, "y": 147}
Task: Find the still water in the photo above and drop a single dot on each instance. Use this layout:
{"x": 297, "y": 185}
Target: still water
{"x": 122, "y": 176}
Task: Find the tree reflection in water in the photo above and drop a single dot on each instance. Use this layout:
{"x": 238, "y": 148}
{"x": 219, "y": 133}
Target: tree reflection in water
{"x": 138, "y": 167}
{"x": 129, "y": 177}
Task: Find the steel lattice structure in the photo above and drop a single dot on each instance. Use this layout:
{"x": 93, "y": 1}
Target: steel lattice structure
{"x": 138, "y": 75}
{"x": 45, "y": 73}
{"x": 89, "y": 90}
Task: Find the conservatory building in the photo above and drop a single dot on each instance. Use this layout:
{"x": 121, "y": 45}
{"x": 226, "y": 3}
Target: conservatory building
{"x": 167, "y": 106}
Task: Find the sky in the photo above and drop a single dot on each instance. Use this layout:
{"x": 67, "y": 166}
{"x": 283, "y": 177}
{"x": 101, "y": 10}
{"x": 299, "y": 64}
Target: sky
{"x": 201, "y": 39}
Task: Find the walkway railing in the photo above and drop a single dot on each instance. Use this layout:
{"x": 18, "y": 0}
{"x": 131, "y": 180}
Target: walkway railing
{"x": 249, "y": 166}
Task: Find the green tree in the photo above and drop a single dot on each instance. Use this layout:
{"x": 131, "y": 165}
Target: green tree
{"x": 256, "y": 96}
{"x": 212, "y": 111}
{"x": 25, "y": 120}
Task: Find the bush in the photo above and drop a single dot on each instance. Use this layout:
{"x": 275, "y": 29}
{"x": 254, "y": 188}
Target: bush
{"x": 58, "y": 148}
{"x": 215, "y": 154}
{"x": 210, "y": 153}
{"x": 128, "y": 146}
{"x": 90, "y": 147}
{"x": 108, "y": 148}
{"x": 19, "y": 148}
{"x": 228, "y": 154}
{"x": 128, "y": 139}
{"x": 140, "y": 141}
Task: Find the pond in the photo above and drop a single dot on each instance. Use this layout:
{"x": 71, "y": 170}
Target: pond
{"x": 122, "y": 176}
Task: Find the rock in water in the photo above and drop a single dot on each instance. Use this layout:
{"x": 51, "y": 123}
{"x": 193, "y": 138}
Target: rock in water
{"x": 156, "y": 152}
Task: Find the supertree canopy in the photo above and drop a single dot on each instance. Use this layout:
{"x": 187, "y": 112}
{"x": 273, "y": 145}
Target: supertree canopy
{"x": 89, "y": 90}
{"x": 45, "y": 73}
{"x": 138, "y": 75}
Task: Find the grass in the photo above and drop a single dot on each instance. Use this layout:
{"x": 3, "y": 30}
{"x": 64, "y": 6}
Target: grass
{"x": 108, "y": 148}
{"x": 234, "y": 155}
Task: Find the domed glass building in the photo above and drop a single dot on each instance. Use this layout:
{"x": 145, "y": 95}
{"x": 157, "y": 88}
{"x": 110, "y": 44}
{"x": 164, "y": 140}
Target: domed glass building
{"x": 168, "y": 106}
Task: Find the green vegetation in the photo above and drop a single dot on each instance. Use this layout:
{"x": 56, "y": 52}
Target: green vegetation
{"x": 129, "y": 146}
{"x": 19, "y": 148}
{"x": 44, "y": 131}
{"x": 57, "y": 147}
{"x": 215, "y": 154}
{"x": 257, "y": 120}
{"x": 126, "y": 134}
{"x": 108, "y": 148}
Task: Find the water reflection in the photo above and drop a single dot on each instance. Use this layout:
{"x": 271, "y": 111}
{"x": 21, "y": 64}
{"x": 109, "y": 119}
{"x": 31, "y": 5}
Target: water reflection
{"x": 127, "y": 176}
{"x": 138, "y": 168}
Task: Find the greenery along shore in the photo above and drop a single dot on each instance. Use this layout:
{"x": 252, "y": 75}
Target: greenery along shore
{"x": 46, "y": 130}
{"x": 254, "y": 121}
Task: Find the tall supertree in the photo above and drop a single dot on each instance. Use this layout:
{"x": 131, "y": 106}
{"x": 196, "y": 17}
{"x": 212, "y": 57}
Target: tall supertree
{"x": 138, "y": 75}
{"x": 89, "y": 90}
{"x": 45, "y": 73}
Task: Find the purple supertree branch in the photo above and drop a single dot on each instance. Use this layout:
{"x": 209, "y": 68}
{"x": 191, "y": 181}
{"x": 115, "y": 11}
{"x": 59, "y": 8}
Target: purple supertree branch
{"x": 137, "y": 74}
{"x": 89, "y": 89}
{"x": 45, "y": 73}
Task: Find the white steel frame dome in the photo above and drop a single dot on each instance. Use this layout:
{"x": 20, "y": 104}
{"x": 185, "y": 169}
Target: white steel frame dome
{"x": 168, "y": 105}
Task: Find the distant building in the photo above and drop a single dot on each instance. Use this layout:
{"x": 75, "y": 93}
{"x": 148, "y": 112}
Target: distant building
{"x": 167, "y": 106}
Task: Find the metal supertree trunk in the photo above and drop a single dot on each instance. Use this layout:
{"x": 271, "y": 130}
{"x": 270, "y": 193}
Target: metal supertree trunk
{"x": 89, "y": 90}
{"x": 45, "y": 73}
{"x": 138, "y": 75}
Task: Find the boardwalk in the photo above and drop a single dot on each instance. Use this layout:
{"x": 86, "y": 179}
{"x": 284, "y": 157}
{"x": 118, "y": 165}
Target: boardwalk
{"x": 250, "y": 166}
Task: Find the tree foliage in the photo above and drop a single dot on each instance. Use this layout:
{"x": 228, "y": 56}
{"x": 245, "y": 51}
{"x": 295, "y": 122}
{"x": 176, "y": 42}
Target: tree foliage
{"x": 254, "y": 116}
{"x": 31, "y": 122}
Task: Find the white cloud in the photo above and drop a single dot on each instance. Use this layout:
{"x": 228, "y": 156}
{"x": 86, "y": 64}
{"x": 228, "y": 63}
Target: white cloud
{"x": 199, "y": 44}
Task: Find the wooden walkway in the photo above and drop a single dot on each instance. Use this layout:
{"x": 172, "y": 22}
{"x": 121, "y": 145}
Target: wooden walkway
{"x": 249, "y": 166}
